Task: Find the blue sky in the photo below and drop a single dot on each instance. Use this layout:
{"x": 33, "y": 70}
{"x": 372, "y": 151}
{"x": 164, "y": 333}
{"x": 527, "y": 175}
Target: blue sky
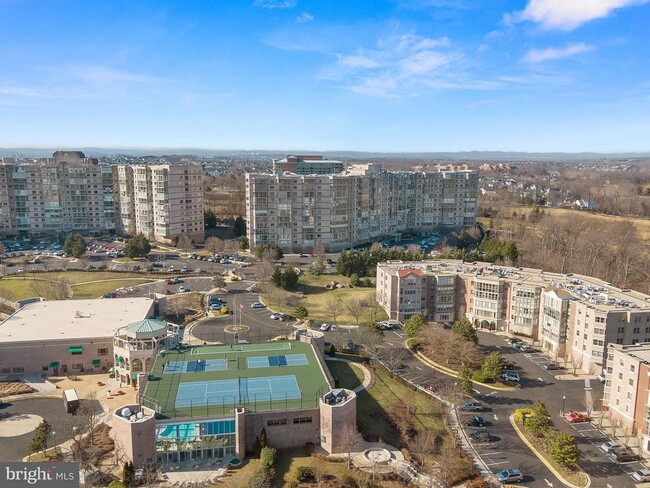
{"x": 376, "y": 75}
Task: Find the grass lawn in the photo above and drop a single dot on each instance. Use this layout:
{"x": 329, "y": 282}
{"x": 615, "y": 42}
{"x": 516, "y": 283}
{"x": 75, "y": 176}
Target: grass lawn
{"x": 95, "y": 290}
{"x": 642, "y": 225}
{"x": 17, "y": 288}
{"x": 349, "y": 377}
{"x": 319, "y": 300}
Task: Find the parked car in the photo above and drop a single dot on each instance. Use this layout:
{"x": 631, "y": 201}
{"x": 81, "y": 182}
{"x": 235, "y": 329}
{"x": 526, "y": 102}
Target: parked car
{"x": 510, "y": 376}
{"x": 257, "y": 305}
{"x": 333, "y": 327}
{"x": 552, "y": 366}
{"x": 608, "y": 447}
{"x": 480, "y": 436}
{"x": 510, "y": 476}
{"x": 576, "y": 417}
{"x": 508, "y": 365}
{"x": 325, "y": 327}
{"x": 513, "y": 340}
{"x": 185, "y": 269}
{"x": 470, "y": 406}
{"x": 476, "y": 421}
{"x": 173, "y": 281}
{"x": 276, "y": 316}
{"x": 182, "y": 289}
{"x": 642, "y": 475}
{"x": 623, "y": 456}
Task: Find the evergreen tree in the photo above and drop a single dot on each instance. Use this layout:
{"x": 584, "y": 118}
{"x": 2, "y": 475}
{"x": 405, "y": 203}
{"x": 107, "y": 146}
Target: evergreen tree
{"x": 137, "y": 247}
{"x": 210, "y": 219}
{"x": 414, "y": 324}
{"x": 563, "y": 448}
{"x": 301, "y": 313}
{"x": 41, "y": 437}
{"x": 75, "y": 245}
{"x": 243, "y": 243}
{"x": 465, "y": 329}
{"x": 128, "y": 475}
{"x": 492, "y": 365}
{"x": 465, "y": 379}
{"x": 239, "y": 227}
{"x": 264, "y": 441}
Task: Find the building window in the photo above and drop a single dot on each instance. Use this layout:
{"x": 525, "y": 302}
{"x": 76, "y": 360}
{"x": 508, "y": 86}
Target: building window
{"x": 275, "y": 422}
{"x": 632, "y": 368}
{"x": 620, "y": 376}
{"x": 46, "y": 368}
{"x": 302, "y": 420}
{"x": 636, "y": 330}
{"x": 630, "y": 382}
{"x": 77, "y": 366}
{"x": 102, "y": 351}
{"x": 18, "y": 370}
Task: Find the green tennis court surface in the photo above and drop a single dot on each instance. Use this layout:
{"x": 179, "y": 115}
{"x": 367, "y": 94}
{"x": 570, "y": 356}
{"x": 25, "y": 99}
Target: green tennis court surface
{"x": 206, "y": 381}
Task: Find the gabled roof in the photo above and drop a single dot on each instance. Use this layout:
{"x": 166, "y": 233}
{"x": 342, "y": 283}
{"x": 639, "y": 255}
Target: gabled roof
{"x": 403, "y": 273}
{"x": 560, "y": 293}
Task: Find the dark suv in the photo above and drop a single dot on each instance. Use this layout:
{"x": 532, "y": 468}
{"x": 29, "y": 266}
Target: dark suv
{"x": 623, "y": 456}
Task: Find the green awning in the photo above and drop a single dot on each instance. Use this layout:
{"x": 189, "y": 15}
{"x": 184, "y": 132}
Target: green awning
{"x": 120, "y": 359}
{"x": 76, "y": 349}
{"x": 54, "y": 364}
{"x": 96, "y": 362}
{"x": 134, "y": 377}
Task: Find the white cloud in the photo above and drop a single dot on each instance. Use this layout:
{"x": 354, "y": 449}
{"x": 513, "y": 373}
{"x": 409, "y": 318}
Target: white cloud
{"x": 568, "y": 14}
{"x": 397, "y": 66}
{"x": 552, "y": 53}
{"x": 304, "y": 17}
{"x": 279, "y": 4}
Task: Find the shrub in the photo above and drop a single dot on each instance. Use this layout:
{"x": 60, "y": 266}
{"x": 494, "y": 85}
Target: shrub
{"x": 355, "y": 280}
{"x": 304, "y": 473}
{"x": 482, "y": 377}
{"x": 521, "y": 413}
{"x": 267, "y": 462}
{"x": 351, "y": 481}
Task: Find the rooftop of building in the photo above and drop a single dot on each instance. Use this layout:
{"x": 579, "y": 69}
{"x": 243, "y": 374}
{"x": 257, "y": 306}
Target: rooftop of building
{"x": 209, "y": 381}
{"x": 72, "y": 319}
{"x": 639, "y": 351}
{"x": 594, "y": 292}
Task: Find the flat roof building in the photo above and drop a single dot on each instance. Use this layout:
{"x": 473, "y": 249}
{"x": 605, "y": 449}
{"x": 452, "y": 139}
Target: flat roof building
{"x": 307, "y": 165}
{"x": 573, "y": 317}
{"x": 343, "y": 210}
{"x": 66, "y": 336}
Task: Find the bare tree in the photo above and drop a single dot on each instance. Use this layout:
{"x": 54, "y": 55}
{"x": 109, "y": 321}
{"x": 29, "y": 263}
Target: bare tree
{"x": 371, "y": 338}
{"x": 402, "y": 419}
{"x": 265, "y": 270}
{"x": 52, "y": 289}
{"x": 335, "y": 309}
{"x": 319, "y": 470}
{"x": 351, "y": 441}
{"x": 213, "y": 244}
{"x": 392, "y": 357}
{"x": 373, "y": 307}
{"x": 218, "y": 281}
{"x": 356, "y": 307}
{"x": 185, "y": 242}
{"x": 425, "y": 443}
{"x": 576, "y": 362}
{"x": 319, "y": 249}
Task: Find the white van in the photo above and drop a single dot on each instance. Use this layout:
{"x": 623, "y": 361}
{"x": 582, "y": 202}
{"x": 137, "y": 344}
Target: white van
{"x": 70, "y": 400}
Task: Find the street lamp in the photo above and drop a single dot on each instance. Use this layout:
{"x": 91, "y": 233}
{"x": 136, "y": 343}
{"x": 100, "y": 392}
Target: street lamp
{"x": 563, "y": 400}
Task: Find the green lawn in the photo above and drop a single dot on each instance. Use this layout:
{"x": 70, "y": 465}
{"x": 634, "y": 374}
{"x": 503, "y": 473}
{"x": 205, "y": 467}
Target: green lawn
{"x": 20, "y": 287}
{"x": 319, "y": 300}
{"x": 94, "y": 290}
{"x": 349, "y": 377}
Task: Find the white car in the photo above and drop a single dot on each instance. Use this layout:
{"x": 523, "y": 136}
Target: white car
{"x": 276, "y": 316}
{"x": 333, "y": 327}
{"x": 642, "y": 475}
{"x": 182, "y": 289}
{"x": 610, "y": 446}
{"x": 325, "y": 327}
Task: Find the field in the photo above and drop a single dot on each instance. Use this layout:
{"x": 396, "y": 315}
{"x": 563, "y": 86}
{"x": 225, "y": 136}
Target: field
{"x": 84, "y": 284}
{"x": 9, "y": 388}
{"x": 642, "y": 225}
{"x": 320, "y": 300}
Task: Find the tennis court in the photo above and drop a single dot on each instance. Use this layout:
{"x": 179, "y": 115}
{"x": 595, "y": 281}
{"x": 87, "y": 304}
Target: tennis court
{"x": 196, "y": 366}
{"x": 268, "y": 346}
{"x": 242, "y": 390}
{"x": 280, "y": 360}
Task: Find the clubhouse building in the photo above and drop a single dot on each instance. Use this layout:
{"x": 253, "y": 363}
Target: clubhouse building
{"x": 208, "y": 404}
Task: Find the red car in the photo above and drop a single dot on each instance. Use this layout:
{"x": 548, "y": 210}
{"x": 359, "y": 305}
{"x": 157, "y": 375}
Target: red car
{"x": 576, "y": 417}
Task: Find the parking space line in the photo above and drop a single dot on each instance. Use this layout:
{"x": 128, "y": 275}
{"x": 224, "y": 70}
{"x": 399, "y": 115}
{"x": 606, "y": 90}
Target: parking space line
{"x": 496, "y": 464}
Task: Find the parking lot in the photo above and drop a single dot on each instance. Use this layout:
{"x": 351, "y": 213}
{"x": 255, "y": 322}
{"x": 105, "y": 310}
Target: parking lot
{"x": 540, "y": 360}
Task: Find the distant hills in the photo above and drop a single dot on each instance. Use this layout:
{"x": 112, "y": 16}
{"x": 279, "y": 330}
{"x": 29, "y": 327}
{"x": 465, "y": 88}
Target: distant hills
{"x": 359, "y": 155}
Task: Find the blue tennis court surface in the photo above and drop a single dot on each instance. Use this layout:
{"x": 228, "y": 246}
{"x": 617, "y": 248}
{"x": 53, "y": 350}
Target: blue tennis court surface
{"x": 281, "y": 360}
{"x": 243, "y": 390}
{"x": 196, "y": 366}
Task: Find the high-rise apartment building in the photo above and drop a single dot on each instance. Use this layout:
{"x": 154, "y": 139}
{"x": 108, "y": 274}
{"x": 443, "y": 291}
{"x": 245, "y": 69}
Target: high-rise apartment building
{"x": 71, "y": 192}
{"x": 342, "y": 210}
{"x": 571, "y": 317}
{"x": 307, "y": 165}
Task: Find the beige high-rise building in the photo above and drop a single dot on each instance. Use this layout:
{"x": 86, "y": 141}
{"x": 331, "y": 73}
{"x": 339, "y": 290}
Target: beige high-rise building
{"x": 342, "y": 210}
{"x": 71, "y": 192}
{"x": 161, "y": 201}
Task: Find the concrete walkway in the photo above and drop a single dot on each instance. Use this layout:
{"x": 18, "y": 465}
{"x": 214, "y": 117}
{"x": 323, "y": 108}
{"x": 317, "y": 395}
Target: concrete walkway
{"x": 39, "y": 383}
{"x": 367, "y": 375}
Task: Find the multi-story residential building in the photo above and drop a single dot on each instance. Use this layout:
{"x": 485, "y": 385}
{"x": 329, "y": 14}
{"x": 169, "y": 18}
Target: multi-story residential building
{"x": 571, "y": 317}
{"x": 342, "y": 210}
{"x": 161, "y": 201}
{"x": 71, "y": 192}
{"x": 627, "y": 389}
{"x": 307, "y": 165}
